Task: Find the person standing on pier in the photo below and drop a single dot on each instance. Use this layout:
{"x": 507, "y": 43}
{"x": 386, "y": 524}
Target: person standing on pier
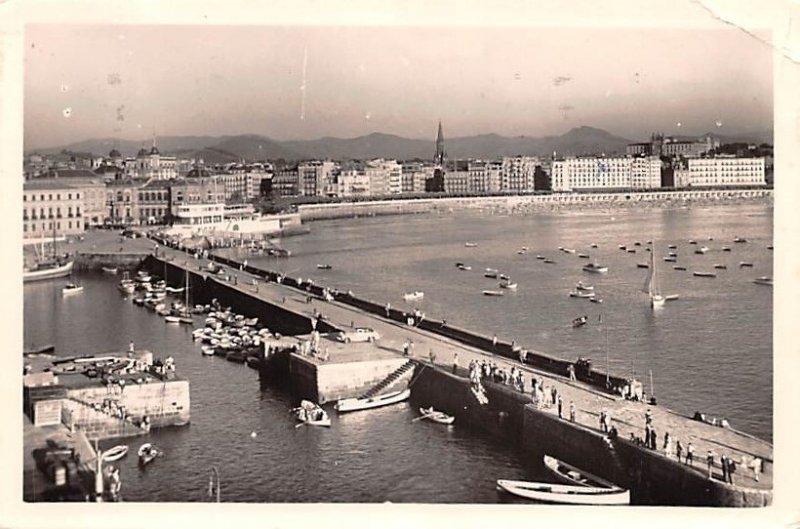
{"x": 571, "y": 411}
{"x": 690, "y": 454}
{"x": 455, "y": 362}
{"x": 653, "y": 439}
{"x": 678, "y": 450}
{"x": 710, "y": 462}
{"x": 559, "y": 406}
{"x": 723, "y": 463}
{"x": 731, "y": 469}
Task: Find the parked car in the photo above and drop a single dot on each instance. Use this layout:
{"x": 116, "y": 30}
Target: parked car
{"x": 359, "y": 334}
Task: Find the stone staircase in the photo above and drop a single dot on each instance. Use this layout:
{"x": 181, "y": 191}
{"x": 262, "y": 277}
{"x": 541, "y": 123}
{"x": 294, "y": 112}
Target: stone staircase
{"x": 97, "y": 423}
{"x": 394, "y": 375}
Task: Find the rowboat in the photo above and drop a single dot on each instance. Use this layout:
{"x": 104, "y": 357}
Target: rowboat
{"x": 492, "y": 293}
{"x": 575, "y": 476}
{"x": 114, "y": 454}
{"x": 580, "y": 321}
{"x": 324, "y": 266}
{"x": 436, "y": 416}
{"x": 109, "y": 270}
{"x": 356, "y": 404}
{"x": 701, "y": 250}
{"x": 581, "y": 286}
{"x": 71, "y": 288}
{"x": 743, "y": 264}
{"x": 414, "y": 296}
{"x": 311, "y": 414}
{"x": 739, "y": 239}
{"x": 581, "y": 294}
{"x": 509, "y": 286}
{"x": 147, "y": 453}
{"x": 763, "y": 281}
{"x": 704, "y": 274}
{"x": 595, "y": 268}
{"x": 549, "y": 261}
{"x": 471, "y": 244}
{"x": 642, "y": 265}
{"x": 679, "y": 268}
{"x": 172, "y": 319}
{"x": 564, "y": 494}
{"x": 595, "y": 300}
{"x": 721, "y": 266}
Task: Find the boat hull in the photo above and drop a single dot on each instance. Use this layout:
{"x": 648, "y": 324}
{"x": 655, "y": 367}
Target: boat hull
{"x": 346, "y": 405}
{"x": 50, "y": 273}
{"x": 565, "y": 494}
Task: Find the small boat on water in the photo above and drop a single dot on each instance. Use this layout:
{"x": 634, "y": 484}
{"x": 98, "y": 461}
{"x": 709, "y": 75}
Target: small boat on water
{"x": 414, "y": 296}
{"x": 721, "y": 267}
{"x": 595, "y": 268}
{"x": 109, "y": 270}
{"x": 490, "y": 275}
{"x": 642, "y": 265}
{"x": 172, "y": 319}
{"x": 739, "y": 240}
{"x": 679, "y": 268}
{"x": 692, "y": 241}
{"x": 622, "y": 247}
{"x": 173, "y": 290}
{"x": 568, "y": 250}
{"x": 764, "y": 280}
{"x": 436, "y": 416}
{"x": 207, "y": 350}
{"x": 701, "y": 250}
{"x": 584, "y": 256}
{"x": 672, "y": 247}
{"x": 637, "y": 243}
{"x": 575, "y": 476}
{"x": 471, "y": 244}
{"x": 71, "y": 288}
{"x": 463, "y": 267}
{"x": 580, "y": 321}
{"x": 631, "y": 250}
{"x": 581, "y": 286}
{"x": 114, "y": 454}
{"x": 671, "y": 297}
{"x": 41, "y": 350}
{"x": 769, "y": 247}
{"x": 564, "y": 494}
{"x": 593, "y": 245}
{"x": 541, "y": 257}
{"x": 670, "y": 259}
{"x": 726, "y": 248}
{"x": 504, "y": 277}
{"x": 492, "y": 293}
{"x": 147, "y": 453}
{"x": 509, "y": 286}
{"x": 324, "y": 266}
{"x": 704, "y": 274}
{"x": 581, "y": 294}
{"x": 356, "y": 404}
{"x": 311, "y": 414}
{"x": 743, "y": 264}
{"x": 549, "y": 261}
{"x": 595, "y": 300}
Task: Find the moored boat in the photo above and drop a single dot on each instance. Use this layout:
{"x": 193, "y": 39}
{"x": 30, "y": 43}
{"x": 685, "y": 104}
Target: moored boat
{"x": 701, "y": 250}
{"x": 114, "y": 454}
{"x": 312, "y": 414}
{"x": 109, "y": 270}
{"x": 764, "y": 280}
{"x": 413, "y": 296}
{"x": 471, "y": 244}
{"x": 580, "y": 321}
{"x": 564, "y": 494}
{"x": 721, "y": 267}
{"x": 585, "y": 288}
{"x": 356, "y": 404}
{"x": 581, "y": 294}
{"x": 436, "y": 416}
{"x": 47, "y": 271}
{"x": 744, "y": 264}
{"x": 683, "y": 268}
{"x": 492, "y": 293}
{"x": 509, "y": 286}
{"x": 147, "y": 453}
{"x": 324, "y": 266}
{"x": 595, "y": 268}
{"x": 575, "y": 476}
{"x": 704, "y": 274}
{"x": 71, "y": 288}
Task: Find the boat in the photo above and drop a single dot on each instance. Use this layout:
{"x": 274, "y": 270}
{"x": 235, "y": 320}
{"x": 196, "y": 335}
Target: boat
{"x": 584, "y": 256}
{"x": 743, "y": 264}
{"x": 692, "y": 241}
{"x": 109, "y": 270}
{"x": 564, "y": 494}
{"x": 670, "y": 259}
{"x": 671, "y": 297}
{"x": 491, "y": 273}
{"x": 324, "y": 266}
{"x": 704, "y": 274}
{"x": 595, "y": 268}
{"x": 770, "y": 247}
{"x": 622, "y": 247}
{"x": 549, "y": 261}
{"x": 471, "y": 244}
{"x": 637, "y": 243}
{"x": 508, "y": 285}
{"x": 463, "y": 267}
{"x": 147, "y": 453}
{"x": 580, "y": 321}
{"x": 492, "y": 293}
{"x": 575, "y": 476}
{"x": 520, "y": 252}
{"x": 172, "y": 319}
{"x": 581, "y": 294}
{"x": 48, "y": 268}
{"x": 207, "y": 350}
{"x": 114, "y": 454}
{"x": 541, "y": 257}
{"x": 701, "y": 250}
{"x": 173, "y": 290}
{"x": 673, "y": 246}
{"x": 763, "y": 280}
{"x": 312, "y": 414}
{"x": 739, "y": 240}
{"x": 642, "y": 265}
{"x": 593, "y": 245}
{"x": 652, "y": 286}
{"x": 413, "y": 296}
{"x": 726, "y": 248}
{"x": 436, "y": 416}
{"x": 595, "y": 300}
{"x": 581, "y": 286}
{"x": 679, "y": 268}
{"x": 366, "y": 403}
{"x": 41, "y": 350}
{"x": 568, "y": 250}
{"x": 71, "y": 288}
{"x": 721, "y": 267}
{"x": 631, "y": 250}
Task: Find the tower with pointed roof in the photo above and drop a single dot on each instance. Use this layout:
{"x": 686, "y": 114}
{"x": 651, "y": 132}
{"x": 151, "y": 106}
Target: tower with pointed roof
{"x": 439, "y": 156}
{"x": 436, "y": 182}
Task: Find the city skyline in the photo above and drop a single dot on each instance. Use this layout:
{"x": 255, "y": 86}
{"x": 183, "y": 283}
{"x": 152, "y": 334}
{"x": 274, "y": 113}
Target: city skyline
{"x": 84, "y": 82}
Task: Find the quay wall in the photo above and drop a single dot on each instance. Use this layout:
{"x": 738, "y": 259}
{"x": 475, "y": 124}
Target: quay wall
{"x": 312, "y": 212}
{"x": 95, "y": 261}
{"x": 324, "y": 382}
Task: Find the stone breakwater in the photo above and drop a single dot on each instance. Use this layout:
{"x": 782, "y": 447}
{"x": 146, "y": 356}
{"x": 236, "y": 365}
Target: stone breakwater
{"x": 524, "y": 204}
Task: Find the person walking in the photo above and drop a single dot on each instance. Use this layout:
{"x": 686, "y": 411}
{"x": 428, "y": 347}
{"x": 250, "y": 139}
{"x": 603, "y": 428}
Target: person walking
{"x": 755, "y": 464}
{"x": 690, "y": 454}
{"x": 723, "y": 463}
{"x": 731, "y": 469}
{"x": 559, "y": 406}
{"x": 710, "y": 462}
{"x": 678, "y": 450}
{"x": 406, "y": 346}
{"x": 653, "y": 439}
{"x": 571, "y": 411}
{"x": 455, "y": 362}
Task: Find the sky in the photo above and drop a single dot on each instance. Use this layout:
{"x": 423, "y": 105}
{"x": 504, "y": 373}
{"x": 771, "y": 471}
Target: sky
{"x": 295, "y": 82}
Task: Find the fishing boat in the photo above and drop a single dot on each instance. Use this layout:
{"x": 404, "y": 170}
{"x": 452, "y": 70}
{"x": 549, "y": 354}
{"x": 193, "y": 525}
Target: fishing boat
{"x": 508, "y": 285}
{"x": 51, "y": 267}
{"x": 471, "y": 244}
{"x": 414, "y": 296}
{"x": 652, "y": 286}
{"x": 704, "y": 274}
{"x": 764, "y": 280}
{"x": 581, "y": 294}
{"x": 743, "y": 264}
{"x": 595, "y": 268}
{"x": 580, "y": 321}
{"x": 574, "y": 476}
{"x": 311, "y": 414}
{"x": 366, "y": 403}
{"x": 71, "y": 288}
{"x": 324, "y": 266}
{"x": 147, "y": 453}
{"x": 436, "y": 416}
{"x": 564, "y": 494}
{"x": 109, "y": 270}
{"x": 114, "y": 454}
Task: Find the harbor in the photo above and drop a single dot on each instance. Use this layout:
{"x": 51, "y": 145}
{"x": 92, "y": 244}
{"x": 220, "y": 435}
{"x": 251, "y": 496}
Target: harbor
{"x": 511, "y": 415}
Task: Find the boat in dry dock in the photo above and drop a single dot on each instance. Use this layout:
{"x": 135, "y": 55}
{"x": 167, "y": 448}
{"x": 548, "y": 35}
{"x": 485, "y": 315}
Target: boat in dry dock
{"x": 356, "y": 404}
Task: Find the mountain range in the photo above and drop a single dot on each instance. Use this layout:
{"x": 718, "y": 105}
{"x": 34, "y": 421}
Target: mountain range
{"x": 251, "y": 147}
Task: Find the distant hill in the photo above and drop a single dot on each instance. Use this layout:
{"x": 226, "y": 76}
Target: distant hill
{"x": 251, "y": 147}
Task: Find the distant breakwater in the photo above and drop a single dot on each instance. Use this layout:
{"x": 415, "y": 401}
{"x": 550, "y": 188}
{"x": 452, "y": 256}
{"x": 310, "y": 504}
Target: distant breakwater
{"x": 522, "y": 204}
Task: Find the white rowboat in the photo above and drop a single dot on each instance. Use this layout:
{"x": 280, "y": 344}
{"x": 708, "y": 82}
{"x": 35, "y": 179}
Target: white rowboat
{"x": 356, "y": 404}
{"x": 564, "y": 494}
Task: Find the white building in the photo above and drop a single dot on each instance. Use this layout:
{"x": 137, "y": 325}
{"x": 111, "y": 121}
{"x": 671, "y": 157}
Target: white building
{"x": 353, "y": 183}
{"x": 316, "y": 178}
{"x": 517, "y": 173}
{"x": 726, "y": 171}
{"x": 592, "y": 173}
{"x": 152, "y": 165}
{"x": 385, "y": 177}
{"x": 646, "y": 172}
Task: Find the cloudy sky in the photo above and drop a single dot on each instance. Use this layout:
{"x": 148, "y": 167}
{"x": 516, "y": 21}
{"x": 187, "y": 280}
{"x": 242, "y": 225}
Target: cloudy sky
{"x": 307, "y": 82}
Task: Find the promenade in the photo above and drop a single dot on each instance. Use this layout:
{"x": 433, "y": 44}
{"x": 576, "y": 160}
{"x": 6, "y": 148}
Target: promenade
{"x": 627, "y": 416}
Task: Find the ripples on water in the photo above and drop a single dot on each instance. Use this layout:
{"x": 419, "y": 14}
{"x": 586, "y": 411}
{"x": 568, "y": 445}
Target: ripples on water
{"x": 711, "y": 350}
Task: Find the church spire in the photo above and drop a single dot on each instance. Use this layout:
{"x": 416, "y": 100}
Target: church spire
{"x": 439, "y": 157}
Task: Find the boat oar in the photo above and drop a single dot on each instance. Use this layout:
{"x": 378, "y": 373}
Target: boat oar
{"x": 299, "y": 425}
{"x": 426, "y": 416}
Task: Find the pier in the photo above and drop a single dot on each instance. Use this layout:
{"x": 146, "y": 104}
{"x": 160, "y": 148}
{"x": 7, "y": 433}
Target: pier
{"x": 290, "y": 307}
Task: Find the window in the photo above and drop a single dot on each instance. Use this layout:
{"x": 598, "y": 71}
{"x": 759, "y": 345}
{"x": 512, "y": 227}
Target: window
{"x": 70, "y": 224}
{"x": 69, "y": 196}
{"x": 58, "y": 196}
{"x": 58, "y": 225}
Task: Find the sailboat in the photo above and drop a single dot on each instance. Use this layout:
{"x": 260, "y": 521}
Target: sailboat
{"x": 48, "y": 268}
{"x": 651, "y": 286}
